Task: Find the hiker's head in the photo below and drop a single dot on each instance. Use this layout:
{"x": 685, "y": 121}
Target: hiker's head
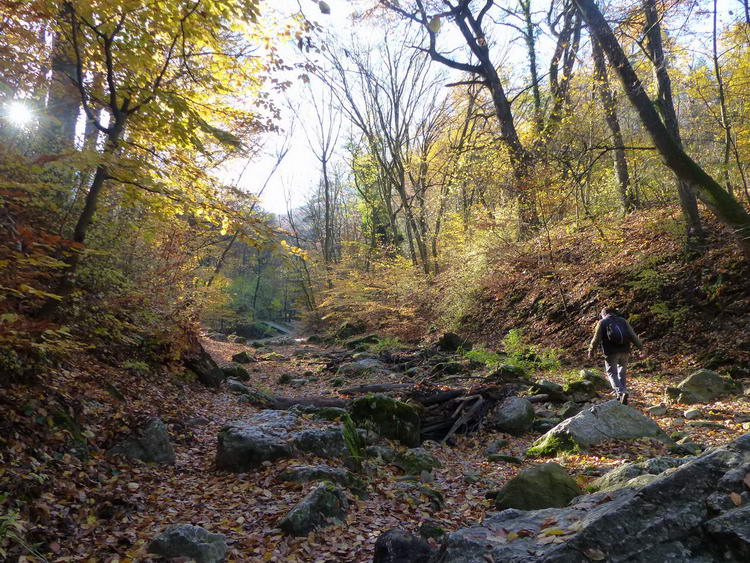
{"x": 607, "y": 311}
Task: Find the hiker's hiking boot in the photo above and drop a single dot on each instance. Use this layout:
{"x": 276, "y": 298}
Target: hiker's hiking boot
{"x": 623, "y": 398}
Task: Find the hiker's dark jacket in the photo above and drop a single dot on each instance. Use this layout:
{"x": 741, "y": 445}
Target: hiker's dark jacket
{"x": 598, "y": 338}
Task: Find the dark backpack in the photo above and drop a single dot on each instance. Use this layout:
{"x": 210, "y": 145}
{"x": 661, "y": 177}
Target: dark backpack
{"x": 615, "y": 334}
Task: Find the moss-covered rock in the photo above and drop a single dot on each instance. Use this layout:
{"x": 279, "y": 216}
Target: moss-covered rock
{"x": 551, "y": 445}
{"x": 610, "y": 420}
{"x": 330, "y": 413}
{"x": 415, "y": 460}
{"x": 242, "y": 357}
{"x": 543, "y": 486}
{"x": 388, "y": 417}
{"x": 325, "y": 504}
{"x": 235, "y": 371}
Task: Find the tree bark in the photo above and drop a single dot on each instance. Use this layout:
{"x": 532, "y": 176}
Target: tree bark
{"x": 665, "y": 103}
{"x": 726, "y": 208}
{"x": 627, "y": 198}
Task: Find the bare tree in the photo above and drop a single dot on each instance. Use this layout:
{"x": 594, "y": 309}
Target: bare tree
{"x": 726, "y": 208}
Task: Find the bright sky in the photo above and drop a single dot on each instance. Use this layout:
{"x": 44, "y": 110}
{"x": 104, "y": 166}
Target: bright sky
{"x": 300, "y": 170}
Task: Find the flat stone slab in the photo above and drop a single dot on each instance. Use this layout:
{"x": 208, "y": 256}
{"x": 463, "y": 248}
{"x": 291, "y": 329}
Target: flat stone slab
{"x": 610, "y": 420}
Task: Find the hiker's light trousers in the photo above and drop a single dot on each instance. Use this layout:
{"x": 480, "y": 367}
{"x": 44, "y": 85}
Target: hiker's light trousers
{"x": 615, "y": 364}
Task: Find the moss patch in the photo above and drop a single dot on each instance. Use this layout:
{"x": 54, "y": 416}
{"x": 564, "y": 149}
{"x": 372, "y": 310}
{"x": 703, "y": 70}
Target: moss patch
{"x": 552, "y": 444}
{"x": 388, "y": 417}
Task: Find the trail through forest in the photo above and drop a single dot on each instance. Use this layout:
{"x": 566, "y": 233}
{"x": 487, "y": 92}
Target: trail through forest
{"x": 97, "y": 507}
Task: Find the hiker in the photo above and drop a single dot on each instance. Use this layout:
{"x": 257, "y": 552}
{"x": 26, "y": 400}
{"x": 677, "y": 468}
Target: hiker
{"x": 615, "y": 335}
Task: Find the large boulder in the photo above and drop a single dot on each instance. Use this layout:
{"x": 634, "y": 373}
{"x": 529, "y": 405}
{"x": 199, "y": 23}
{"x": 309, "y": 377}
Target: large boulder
{"x": 326, "y": 503}
{"x": 328, "y": 443}
{"x": 610, "y": 420}
{"x": 388, "y": 417}
{"x": 542, "y": 486}
{"x": 243, "y": 357}
{"x": 150, "y": 444}
{"x": 193, "y": 542}
{"x": 348, "y": 329}
{"x": 400, "y": 546}
{"x": 245, "y": 445}
{"x": 514, "y": 415}
{"x": 704, "y": 386}
{"x": 685, "y": 514}
{"x": 624, "y": 475}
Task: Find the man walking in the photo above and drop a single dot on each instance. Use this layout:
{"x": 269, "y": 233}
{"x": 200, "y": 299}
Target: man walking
{"x": 615, "y": 335}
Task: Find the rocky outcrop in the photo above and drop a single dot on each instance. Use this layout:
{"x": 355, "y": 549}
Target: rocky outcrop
{"x": 624, "y": 475}
{"x": 610, "y": 420}
{"x": 388, "y": 417}
{"x": 193, "y": 542}
{"x": 235, "y": 371}
{"x": 690, "y": 513}
{"x": 514, "y": 415}
{"x": 541, "y": 486}
{"x": 326, "y": 503}
{"x": 151, "y": 444}
{"x": 704, "y": 386}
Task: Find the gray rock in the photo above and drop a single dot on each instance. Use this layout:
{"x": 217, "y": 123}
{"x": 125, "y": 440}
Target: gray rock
{"x": 218, "y": 337}
{"x": 621, "y": 476}
{"x": 415, "y": 460}
{"x": 245, "y": 445}
{"x": 306, "y": 473}
{"x": 250, "y": 395}
{"x": 704, "y": 386}
{"x": 541, "y": 486}
{"x": 237, "y": 339}
{"x": 657, "y": 410}
{"x": 151, "y": 444}
{"x": 326, "y": 503}
{"x": 610, "y": 420}
{"x": 386, "y": 453}
{"x": 194, "y": 542}
{"x": 732, "y": 530}
{"x": 568, "y": 410}
{"x": 495, "y": 447}
{"x": 243, "y": 357}
{"x": 400, "y": 546}
{"x": 691, "y": 414}
{"x": 673, "y": 518}
{"x": 514, "y": 416}
{"x": 328, "y": 443}
{"x": 359, "y": 368}
{"x": 551, "y": 389}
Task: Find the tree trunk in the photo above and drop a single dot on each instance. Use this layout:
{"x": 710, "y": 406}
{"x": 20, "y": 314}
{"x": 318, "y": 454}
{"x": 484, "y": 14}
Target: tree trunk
{"x": 726, "y": 208}
{"x": 723, "y": 107}
{"x": 665, "y": 103}
{"x": 610, "y": 115}
{"x": 63, "y": 100}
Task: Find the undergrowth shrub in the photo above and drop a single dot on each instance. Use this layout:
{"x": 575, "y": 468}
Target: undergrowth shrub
{"x": 527, "y": 356}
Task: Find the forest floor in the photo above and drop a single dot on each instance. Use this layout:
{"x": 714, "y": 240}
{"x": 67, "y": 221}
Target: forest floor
{"x": 108, "y": 509}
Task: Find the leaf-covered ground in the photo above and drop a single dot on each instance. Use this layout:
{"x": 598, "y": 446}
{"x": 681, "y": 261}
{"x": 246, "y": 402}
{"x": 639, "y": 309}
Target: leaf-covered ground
{"x": 105, "y": 509}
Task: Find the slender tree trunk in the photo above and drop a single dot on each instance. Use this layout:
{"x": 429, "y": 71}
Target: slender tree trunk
{"x": 723, "y": 109}
{"x": 529, "y": 37}
{"x": 610, "y": 115}
{"x": 665, "y": 103}
{"x": 726, "y": 208}
{"x": 63, "y": 99}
